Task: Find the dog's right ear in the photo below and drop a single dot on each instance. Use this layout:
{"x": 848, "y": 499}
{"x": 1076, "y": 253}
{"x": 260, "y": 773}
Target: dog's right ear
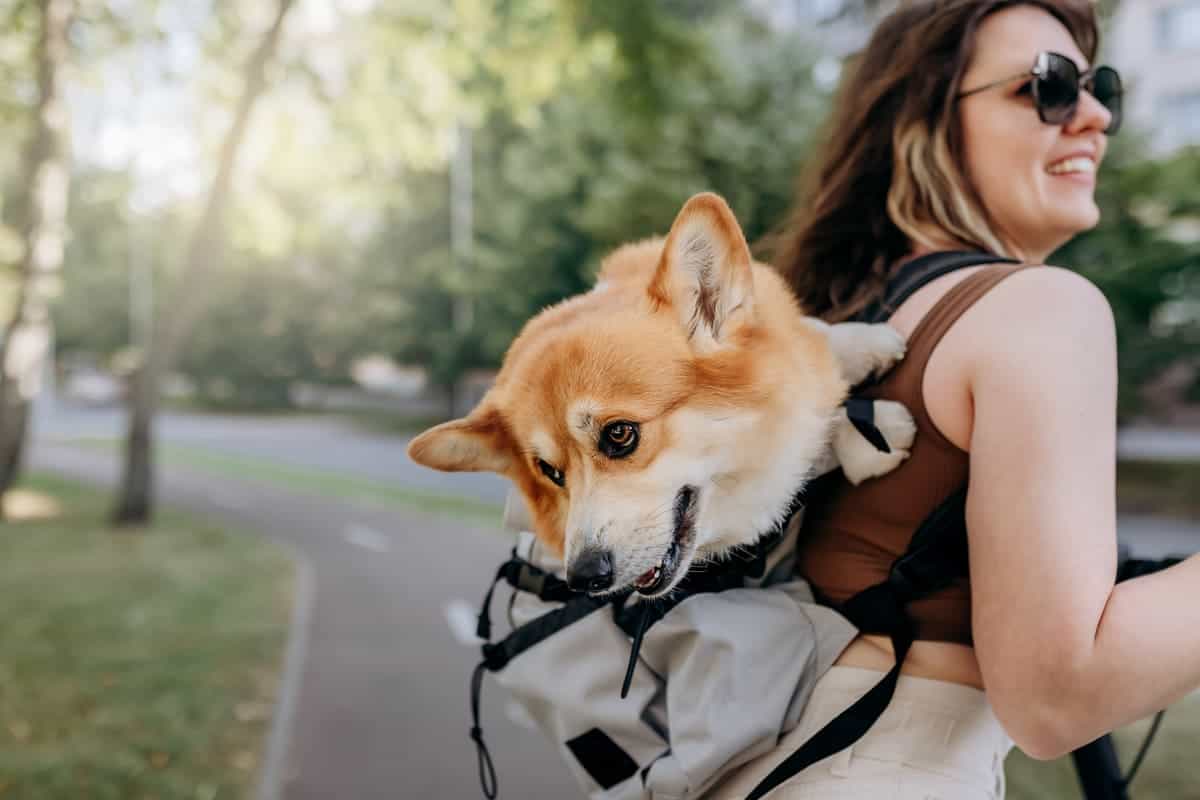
{"x": 476, "y": 443}
{"x": 705, "y": 273}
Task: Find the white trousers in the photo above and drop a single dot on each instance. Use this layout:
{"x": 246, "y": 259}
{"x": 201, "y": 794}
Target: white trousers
{"x": 936, "y": 741}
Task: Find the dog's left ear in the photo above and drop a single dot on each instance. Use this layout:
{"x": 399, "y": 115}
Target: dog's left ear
{"x": 476, "y": 443}
{"x": 705, "y": 273}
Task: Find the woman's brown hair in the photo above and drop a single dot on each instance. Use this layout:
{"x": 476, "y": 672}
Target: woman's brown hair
{"x": 891, "y": 168}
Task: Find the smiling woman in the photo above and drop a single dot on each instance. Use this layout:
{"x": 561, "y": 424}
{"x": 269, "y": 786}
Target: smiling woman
{"x": 1036, "y": 184}
{"x": 978, "y": 126}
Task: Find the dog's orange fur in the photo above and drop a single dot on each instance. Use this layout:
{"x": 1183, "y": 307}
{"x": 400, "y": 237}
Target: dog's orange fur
{"x": 621, "y": 352}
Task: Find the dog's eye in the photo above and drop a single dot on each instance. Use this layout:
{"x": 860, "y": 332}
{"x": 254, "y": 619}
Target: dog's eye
{"x": 619, "y": 439}
{"x": 553, "y": 473}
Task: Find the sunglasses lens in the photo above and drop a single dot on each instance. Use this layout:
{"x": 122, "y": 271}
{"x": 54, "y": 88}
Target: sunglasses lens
{"x": 1106, "y": 87}
{"x": 1057, "y": 89}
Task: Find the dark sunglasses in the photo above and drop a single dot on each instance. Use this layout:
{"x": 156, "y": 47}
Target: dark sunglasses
{"x": 1055, "y": 85}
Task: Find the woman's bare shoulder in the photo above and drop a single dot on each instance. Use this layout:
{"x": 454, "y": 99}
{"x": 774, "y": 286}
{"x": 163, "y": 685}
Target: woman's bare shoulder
{"x": 1031, "y": 309}
{"x": 1042, "y": 287}
{"x": 1035, "y": 324}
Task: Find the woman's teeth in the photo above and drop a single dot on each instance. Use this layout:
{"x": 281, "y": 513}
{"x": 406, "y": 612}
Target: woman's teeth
{"x": 1072, "y": 165}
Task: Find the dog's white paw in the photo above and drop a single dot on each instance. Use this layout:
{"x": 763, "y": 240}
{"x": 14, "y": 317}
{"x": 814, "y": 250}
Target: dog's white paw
{"x": 888, "y": 348}
{"x": 859, "y": 458}
{"x": 864, "y": 349}
{"x": 896, "y": 424}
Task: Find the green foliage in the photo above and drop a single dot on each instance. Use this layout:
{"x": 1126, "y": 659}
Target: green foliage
{"x": 1145, "y": 256}
{"x": 596, "y": 173}
{"x": 591, "y": 122}
{"x": 95, "y": 267}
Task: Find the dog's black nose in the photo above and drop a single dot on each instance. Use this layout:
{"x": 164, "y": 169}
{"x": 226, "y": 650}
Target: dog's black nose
{"x": 591, "y": 572}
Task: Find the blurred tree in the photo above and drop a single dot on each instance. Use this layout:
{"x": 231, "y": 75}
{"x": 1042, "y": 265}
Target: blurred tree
{"x": 19, "y": 28}
{"x": 1145, "y": 256}
{"x": 338, "y": 242}
{"x": 135, "y": 502}
{"x": 41, "y": 220}
{"x": 91, "y": 315}
{"x": 499, "y": 60}
{"x": 350, "y": 252}
{"x": 556, "y": 198}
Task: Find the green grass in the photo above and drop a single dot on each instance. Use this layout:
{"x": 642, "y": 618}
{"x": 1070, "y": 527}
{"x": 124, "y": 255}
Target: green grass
{"x": 1162, "y": 488}
{"x": 1170, "y": 771}
{"x": 315, "y": 481}
{"x": 135, "y": 664}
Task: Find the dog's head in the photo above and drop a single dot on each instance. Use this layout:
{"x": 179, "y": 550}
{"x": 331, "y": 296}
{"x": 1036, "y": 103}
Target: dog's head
{"x": 620, "y": 414}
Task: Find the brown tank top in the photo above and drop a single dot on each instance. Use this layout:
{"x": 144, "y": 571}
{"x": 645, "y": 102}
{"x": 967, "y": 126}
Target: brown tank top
{"x": 854, "y": 533}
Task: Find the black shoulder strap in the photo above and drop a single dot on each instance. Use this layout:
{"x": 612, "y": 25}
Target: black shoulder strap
{"x": 920, "y": 271}
{"x": 935, "y": 557}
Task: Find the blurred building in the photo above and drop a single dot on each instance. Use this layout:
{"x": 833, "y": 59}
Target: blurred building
{"x": 837, "y": 27}
{"x": 1156, "y": 46}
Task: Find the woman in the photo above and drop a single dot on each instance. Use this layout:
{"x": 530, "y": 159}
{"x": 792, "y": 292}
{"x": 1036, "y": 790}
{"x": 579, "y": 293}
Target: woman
{"x": 941, "y": 141}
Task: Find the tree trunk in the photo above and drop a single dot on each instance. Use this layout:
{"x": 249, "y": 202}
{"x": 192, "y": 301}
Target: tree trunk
{"x": 26, "y": 342}
{"x": 135, "y": 505}
{"x": 16, "y": 426}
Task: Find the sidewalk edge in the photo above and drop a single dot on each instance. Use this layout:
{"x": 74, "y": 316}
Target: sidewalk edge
{"x": 270, "y": 785}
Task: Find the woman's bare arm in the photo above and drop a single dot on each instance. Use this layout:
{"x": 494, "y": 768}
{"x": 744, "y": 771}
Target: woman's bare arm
{"x": 1065, "y": 655}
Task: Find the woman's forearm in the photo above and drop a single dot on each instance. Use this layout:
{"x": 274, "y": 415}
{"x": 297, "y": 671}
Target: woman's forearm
{"x": 1145, "y": 656}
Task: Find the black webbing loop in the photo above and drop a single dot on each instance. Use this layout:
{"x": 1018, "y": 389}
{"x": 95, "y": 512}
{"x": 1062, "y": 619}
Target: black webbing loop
{"x": 497, "y": 655}
{"x": 483, "y": 626}
{"x": 521, "y": 575}
{"x": 861, "y": 413}
{"x": 487, "y": 770}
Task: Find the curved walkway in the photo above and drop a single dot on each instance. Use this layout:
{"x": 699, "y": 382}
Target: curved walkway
{"x": 381, "y": 711}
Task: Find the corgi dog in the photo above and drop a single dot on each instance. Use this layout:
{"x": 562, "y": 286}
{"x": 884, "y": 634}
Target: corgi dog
{"x": 672, "y": 413}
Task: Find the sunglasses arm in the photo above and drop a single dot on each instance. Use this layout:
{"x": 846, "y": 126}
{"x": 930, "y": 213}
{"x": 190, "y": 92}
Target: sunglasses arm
{"x": 992, "y": 85}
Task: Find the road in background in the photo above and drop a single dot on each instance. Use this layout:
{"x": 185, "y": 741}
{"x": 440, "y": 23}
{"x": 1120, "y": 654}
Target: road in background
{"x": 299, "y": 440}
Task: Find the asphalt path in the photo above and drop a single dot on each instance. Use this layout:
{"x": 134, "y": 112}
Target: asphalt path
{"x": 382, "y": 706}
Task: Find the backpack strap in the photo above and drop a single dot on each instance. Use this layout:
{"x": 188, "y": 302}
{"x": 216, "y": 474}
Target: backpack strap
{"x": 525, "y": 577}
{"x": 919, "y": 272}
{"x": 933, "y": 560}
{"x": 936, "y": 556}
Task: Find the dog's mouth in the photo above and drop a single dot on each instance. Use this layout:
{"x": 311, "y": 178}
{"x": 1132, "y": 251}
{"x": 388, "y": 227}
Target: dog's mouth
{"x": 652, "y": 581}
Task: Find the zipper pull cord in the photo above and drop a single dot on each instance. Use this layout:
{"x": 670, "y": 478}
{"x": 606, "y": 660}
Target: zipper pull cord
{"x": 635, "y": 649}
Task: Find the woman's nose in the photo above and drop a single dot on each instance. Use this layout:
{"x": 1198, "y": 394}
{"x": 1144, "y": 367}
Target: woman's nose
{"x": 1090, "y": 114}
